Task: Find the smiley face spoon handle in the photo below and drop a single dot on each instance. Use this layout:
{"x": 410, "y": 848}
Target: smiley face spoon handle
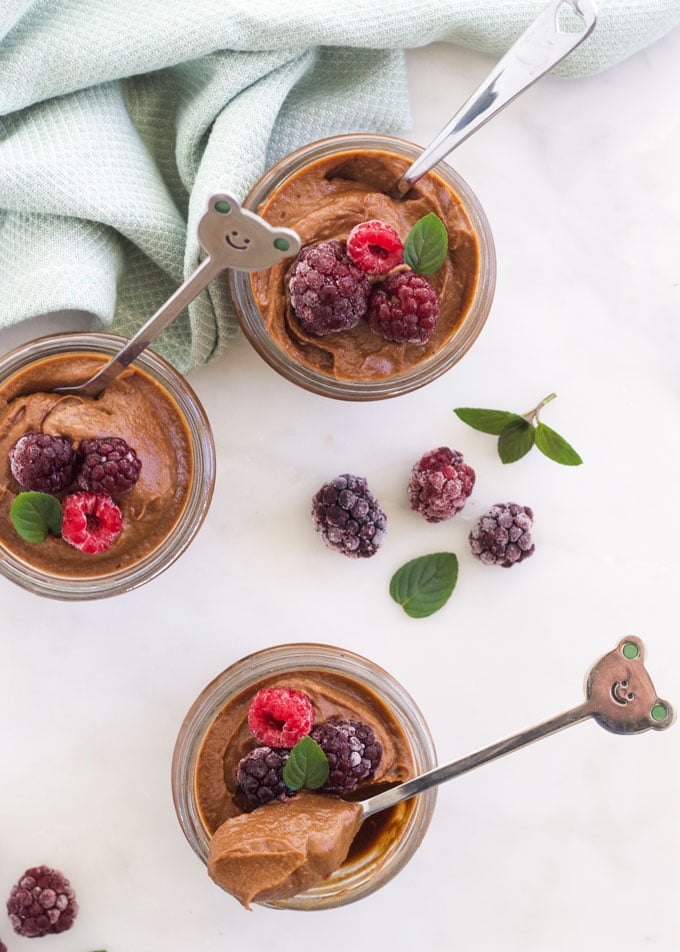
{"x": 541, "y": 47}
{"x": 232, "y": 237}
{"x": 620, "y": 696}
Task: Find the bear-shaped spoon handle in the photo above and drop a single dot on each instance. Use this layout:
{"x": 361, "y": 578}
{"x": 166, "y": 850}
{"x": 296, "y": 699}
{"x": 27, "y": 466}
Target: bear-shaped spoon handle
{"x": 620, "y": 696}
{"x": 232, "y": 237}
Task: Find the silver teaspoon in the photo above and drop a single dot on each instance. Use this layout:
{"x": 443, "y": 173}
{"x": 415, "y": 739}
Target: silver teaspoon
{"x": 541, "y": 47}
{"x": 232, "y": 237}
{"x": 620, "y": 696}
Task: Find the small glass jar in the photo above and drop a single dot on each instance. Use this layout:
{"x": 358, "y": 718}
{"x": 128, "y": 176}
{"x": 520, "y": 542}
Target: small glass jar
{"x": 200, "y": 484}
{"x": 468, "y": 326}
{"x": 388, "y": 855}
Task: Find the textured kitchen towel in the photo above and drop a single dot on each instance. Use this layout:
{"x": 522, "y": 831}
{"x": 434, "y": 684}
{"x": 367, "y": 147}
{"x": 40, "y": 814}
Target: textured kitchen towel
{"x": 119, "y": 117}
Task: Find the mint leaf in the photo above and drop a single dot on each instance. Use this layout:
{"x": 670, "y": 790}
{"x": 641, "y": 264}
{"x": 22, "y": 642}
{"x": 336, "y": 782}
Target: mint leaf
{"x": 488, "y": 421}
{"x": 423, "y": 585}
{"x": 426, "y": 245}
{"x": 307, "y": 766}
{"x": 36, "y": 515}
{"x": 555, "y": 447}
{"x": 515, "y": 440}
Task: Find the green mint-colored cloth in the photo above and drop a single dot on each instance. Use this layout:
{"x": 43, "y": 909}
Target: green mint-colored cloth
{"x": 119, "y": 117}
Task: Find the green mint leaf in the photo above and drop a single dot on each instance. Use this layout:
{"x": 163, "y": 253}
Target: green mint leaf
{"x": 423, "y": 585}
{"x": 555, "y": 447}
{"x": 35, "y": 515}
{"x": 307, "y": 766}
{"x": 426, "y": 245}
{"x": 515, "y": 440}
{"x": 488, "y": 421}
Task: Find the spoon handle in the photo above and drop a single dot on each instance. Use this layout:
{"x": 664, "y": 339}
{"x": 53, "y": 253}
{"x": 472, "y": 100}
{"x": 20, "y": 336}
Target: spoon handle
{"x": 404, "y": 791}
{"x": 192, "y": 287}
{"x": 541, "y": 47}
{"x": 620, "y": 697}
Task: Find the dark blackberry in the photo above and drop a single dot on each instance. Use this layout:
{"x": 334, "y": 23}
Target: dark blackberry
{"x": 503, "y": 535}
{"x": 353, "y": 753}
{"x": 440, "y": 484}
{"x": 109, "y": 465}
{"x": 328, "y": 293}
{"x": 43, "y": 463}
{"x": 404, "y": 308}
{"x": 42, "y": 902}
{"x": 260, "y": 775}
{"x": 349, "y": 517}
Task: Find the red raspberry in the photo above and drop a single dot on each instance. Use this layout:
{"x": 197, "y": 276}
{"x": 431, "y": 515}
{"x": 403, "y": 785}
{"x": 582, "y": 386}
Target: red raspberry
{"x": 109, "y": 465}
{"x": 91, "y": 523}
{"x": 41, "y": 903}
{"x": 404, "y": 308}
{"x": 375, "y": 247}
{"x": 328, "y": 293}
{"x": 280, "y": 717}
{"x": 440, "y": 484}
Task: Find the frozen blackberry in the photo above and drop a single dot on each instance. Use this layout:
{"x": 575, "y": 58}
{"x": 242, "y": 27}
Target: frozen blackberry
{"x": 404, "y": 308}
{"x": 260, "y": 775}
{"x": 328, "y": 293}
{"x": 349, "y": 517}
{"x": 503, "y": 535}
{"x": 353, "y": 753}
{"x": 109, "y": 466}
{"x": 42, "y": 902}
{"x": 440, "y": 484}
{"x": 43, "y": 463}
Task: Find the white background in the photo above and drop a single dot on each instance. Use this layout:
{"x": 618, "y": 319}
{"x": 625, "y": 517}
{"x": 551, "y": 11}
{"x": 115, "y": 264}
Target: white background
{"x": 572, "y": 843}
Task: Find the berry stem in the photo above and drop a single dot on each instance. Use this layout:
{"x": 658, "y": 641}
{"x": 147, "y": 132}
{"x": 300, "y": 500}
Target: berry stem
{"x": 532, "y": 415}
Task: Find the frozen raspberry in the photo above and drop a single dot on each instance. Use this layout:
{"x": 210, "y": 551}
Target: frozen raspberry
{"x": 503, "y": 535}
{"x": 91, "y": 523}
{"x": 353, "y": 753}
{"x": 43, "y": 463}
{"x": 3, "y": 947}
{"x": 404, "y": 308}
{"x": 375, "y": 247}
{"x": 109, "y": 466}
{"x": 349, "y": 517}
{"x": 41, "y": 903}
{"x": 260, "y": 775}
{"x": 328, "y": 293}
{"x": 280, "y": 717}
{"x": 440, "y": 484}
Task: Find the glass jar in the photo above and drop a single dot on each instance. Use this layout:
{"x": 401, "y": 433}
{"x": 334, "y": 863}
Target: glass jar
{"x": 413, "y": 376}
{"x": 371, "y": 869}
{"x": 201, "y": 477}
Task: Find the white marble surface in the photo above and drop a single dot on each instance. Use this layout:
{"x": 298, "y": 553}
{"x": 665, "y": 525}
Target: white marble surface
{"x": 569, "y": 844}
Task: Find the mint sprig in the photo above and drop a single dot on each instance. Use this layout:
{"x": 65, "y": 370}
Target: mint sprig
{"x": 423, "y": 585}
{"x": 426, "y": 245}
{"x": 518, "y": 433}
{"x": 36, "y": 515}
{"x": 307, "y": 766}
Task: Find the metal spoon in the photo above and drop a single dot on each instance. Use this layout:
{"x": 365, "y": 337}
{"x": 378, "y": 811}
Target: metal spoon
{"x": 541, "y": 47}
{"x": 620, "y": 696}
{"x": 232, "y": 237}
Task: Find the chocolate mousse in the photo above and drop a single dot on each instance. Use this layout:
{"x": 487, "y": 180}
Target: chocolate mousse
{"x": 282, "y": 849}
{"x": 135, "y": 408}
{"x": 324, "y": 202}
{"x": 277, "y": 850}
